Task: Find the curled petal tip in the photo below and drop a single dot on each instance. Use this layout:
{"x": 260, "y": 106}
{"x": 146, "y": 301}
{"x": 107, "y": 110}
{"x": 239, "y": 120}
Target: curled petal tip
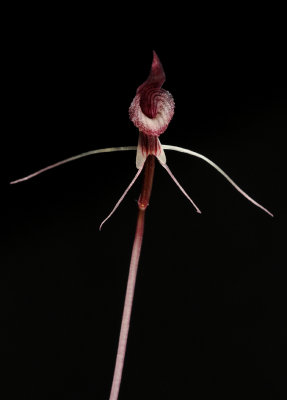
{"x": 157, "y": 75}
{"x": 153, "y": 107}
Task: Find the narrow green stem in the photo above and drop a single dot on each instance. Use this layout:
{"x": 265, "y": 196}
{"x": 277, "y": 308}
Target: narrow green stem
{"x": 142, "y": 205}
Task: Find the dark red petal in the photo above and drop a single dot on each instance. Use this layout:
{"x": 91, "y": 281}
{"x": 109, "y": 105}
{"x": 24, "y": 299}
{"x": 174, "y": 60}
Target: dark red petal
{"x": 156, "y": 76}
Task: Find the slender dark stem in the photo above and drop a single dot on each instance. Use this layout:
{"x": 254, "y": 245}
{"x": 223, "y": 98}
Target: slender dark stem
{"x": 142, "y": 205}
{"x": 143, "y": 201}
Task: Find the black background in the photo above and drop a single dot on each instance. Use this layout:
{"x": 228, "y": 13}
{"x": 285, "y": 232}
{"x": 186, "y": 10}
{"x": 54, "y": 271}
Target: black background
{"x": 210, "y": 305}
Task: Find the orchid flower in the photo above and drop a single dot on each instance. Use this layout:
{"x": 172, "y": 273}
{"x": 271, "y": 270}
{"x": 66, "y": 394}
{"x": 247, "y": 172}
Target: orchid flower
{"x": 151, "y": 112}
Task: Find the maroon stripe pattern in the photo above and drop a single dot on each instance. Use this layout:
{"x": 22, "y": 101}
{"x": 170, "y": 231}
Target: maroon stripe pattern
{"x": 149, "y": 145}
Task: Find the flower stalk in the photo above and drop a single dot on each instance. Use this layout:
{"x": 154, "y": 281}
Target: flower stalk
{"x": 136, "y": 251}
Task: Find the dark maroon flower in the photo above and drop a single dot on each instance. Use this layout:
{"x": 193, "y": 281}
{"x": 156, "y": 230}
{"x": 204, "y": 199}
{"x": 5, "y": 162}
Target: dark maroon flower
{"x": 153, "y": 107}
{"x": 151, "y": 111}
